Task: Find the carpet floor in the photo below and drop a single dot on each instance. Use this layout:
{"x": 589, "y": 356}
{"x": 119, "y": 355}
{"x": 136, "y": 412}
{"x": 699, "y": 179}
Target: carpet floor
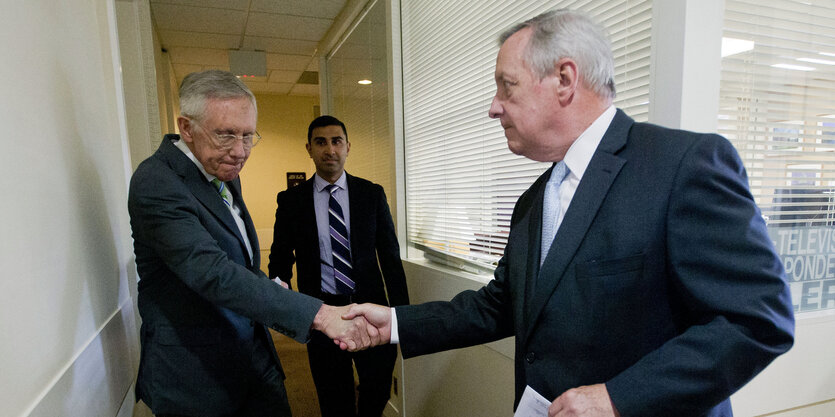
{"x": 299, "y": 383}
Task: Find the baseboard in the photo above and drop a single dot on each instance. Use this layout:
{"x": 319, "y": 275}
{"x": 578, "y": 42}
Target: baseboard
{"x": 391, "y": 410}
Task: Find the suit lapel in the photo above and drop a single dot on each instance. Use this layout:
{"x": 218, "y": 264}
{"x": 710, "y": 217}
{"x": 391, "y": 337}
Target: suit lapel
{"x": 310, "y": 229}
{"x": 252, "y": 234}
{"x": 598, "y": 178}
{"x": 532, "y": 249}
{"x": 204, "y": 191}
{"x": 356, "y": 204}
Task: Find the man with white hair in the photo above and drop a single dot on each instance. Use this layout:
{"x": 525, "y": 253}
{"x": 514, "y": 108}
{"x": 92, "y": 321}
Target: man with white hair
{"x": 638, "y": 277}
{"x": 204, "y": 302}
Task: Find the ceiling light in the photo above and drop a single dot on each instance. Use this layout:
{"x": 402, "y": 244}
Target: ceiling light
{"x": 364, "y": 82}
{"x": 731, "y": 46}
{"x": 793, "y": 67}
{"x": 817, "y": 61}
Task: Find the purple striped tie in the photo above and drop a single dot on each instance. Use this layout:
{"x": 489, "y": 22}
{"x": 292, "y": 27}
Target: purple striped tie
{"x": 340, "y": 245}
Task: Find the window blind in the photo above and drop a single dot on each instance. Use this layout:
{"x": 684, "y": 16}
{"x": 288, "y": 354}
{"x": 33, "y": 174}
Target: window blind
{"x": 777, "y": 106}
{"x": 461, "y": 180}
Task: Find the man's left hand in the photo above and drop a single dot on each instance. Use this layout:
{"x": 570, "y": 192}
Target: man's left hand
{"x": 585, "y": 401}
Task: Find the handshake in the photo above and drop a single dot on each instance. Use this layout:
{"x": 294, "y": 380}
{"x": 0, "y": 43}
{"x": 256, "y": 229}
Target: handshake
{"x": 355, "y": 327}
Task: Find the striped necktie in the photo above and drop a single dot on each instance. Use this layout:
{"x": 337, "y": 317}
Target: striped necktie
{"x": 221, "y": 189}
{"x": 340, "y": 245}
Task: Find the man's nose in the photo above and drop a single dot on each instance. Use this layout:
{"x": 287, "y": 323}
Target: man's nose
{"x": 496, "y": 109}
{"x": 237, "y": 150}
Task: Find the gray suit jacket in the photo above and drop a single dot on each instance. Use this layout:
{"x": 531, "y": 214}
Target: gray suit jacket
{"x": 201, "y": 298}
{"x": 661, "y": 283}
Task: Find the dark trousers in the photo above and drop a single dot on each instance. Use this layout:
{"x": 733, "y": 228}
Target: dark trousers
{"x": 333, "y": 375}
{"x": 266, "y": 395}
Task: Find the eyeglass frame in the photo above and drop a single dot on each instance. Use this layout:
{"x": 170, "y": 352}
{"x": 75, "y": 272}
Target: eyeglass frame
{"x": 229, "y": 142}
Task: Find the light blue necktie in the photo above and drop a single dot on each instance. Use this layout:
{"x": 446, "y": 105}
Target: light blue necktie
{"x": 551, "y": 208}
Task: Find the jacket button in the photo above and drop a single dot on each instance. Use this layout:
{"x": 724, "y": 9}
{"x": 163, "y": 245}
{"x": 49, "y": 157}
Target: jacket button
{"x": 530, "y": 357}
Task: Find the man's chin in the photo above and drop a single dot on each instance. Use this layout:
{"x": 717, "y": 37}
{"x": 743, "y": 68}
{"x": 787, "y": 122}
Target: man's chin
{"x": 228, "y": 175}
{"x": 514, "y": 147}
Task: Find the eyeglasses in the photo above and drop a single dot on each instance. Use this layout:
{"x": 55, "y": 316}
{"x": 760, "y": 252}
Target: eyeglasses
{"x": 226, "y": 141}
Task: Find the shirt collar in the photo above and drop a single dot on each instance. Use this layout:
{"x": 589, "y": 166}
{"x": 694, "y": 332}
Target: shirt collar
{"x": 579, "y": 154}
{"x": 181, "y": 145}
{"x": 320, "y": 183}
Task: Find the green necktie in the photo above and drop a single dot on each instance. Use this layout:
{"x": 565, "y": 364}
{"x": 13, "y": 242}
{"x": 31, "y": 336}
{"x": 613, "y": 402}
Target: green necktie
{"x": 221, "y": 189}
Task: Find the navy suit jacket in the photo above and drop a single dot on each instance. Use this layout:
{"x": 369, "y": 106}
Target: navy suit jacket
{"x": 201, "y": 298}
{"x": 296, "y": 239}
{"x": 662, "y": 282}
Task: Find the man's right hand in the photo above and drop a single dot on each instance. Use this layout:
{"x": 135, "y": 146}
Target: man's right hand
{"x": 378, "y": 318}
{"x": 353, "y": 334}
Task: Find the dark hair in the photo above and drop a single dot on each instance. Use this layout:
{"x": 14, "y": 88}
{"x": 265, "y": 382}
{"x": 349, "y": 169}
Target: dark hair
{"x": 323, "y": 121}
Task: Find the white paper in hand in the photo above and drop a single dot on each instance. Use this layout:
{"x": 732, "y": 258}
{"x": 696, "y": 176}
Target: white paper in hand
{"x": 532, "y": 404}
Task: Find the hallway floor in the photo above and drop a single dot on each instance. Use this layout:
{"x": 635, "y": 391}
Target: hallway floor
{"x": 299, "y": 382}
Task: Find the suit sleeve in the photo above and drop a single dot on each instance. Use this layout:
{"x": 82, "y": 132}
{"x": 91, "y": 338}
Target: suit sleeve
{"x": 166, "y": 219}
{"x": 388, "y": 253}
{"x": 470, "y": 318}
{"x": 727, "y": 281}
{"x": 282, "y": 256}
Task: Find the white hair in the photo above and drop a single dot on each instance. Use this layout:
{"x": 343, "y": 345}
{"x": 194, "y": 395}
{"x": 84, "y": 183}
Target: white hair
{"x": 564, "y": 33}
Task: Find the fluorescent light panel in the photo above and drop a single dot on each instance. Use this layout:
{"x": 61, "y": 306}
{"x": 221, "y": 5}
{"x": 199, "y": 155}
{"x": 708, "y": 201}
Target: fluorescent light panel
{"x": 793, "y": 67}
{"x": 817, "y": 61}
{"x": 732, "y": 46}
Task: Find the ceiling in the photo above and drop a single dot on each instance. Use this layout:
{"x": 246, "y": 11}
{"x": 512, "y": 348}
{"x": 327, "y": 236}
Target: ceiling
{"x": 198, "y": 35}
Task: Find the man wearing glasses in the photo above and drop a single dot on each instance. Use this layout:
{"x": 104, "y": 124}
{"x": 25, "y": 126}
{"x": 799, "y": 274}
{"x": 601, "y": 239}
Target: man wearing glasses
{"x": 203, "y": 300}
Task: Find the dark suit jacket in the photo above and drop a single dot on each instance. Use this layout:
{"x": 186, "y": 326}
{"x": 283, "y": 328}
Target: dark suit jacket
{"x": 201, "y": 298}
{"x": 296, "y": 239}
{"x": 662, "y": 282}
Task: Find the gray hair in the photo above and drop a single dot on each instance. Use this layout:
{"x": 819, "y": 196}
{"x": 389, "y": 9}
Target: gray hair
{"x": 198, "y": 87}
{"x": 564, "y": 33}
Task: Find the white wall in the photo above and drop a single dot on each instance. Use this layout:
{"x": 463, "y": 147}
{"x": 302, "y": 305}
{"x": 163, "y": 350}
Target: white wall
{"x": 66, "y": 314}
{"x": 475, "y": 381}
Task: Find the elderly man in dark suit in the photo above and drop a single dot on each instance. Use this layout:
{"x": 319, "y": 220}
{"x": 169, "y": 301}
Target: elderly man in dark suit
{"x": 638, "y": 278}
{"x": 204, "y": 302}
{"x": 338, "y": 230}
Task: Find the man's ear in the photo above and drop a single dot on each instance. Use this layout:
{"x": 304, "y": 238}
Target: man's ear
{"x": 307, "y": 146}
{"x": 569, "y": 79}
{"x": 185, "y": 126}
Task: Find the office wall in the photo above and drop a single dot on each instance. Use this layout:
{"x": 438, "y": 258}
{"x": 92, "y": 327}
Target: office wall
{"x": 475, "y": 381}
{"x": 282, "y": 122}
{"x": 66, "y": 314}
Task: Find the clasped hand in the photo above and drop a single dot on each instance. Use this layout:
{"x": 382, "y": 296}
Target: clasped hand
{"x": 355, "y": 327}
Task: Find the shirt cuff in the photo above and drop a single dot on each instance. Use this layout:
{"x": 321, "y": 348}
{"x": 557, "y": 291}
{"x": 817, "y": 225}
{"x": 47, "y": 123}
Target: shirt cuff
{"x": 395, "y": 337}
